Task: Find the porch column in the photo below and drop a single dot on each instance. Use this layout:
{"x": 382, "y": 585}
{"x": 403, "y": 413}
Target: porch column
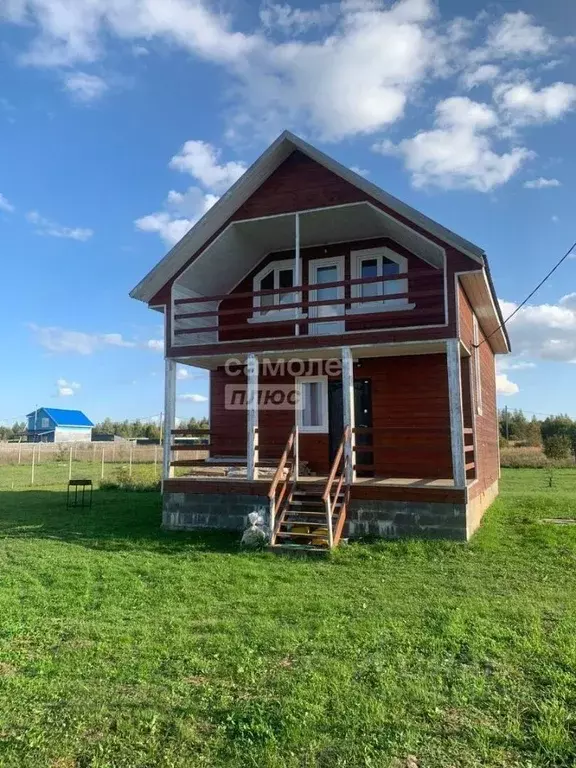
{"x": 348, "y": 411}
{"x": 297, "y": 266}
{"x": 169, "y": 416}
{"x": 252, "y": 420}
{"x": 456, "y": 414}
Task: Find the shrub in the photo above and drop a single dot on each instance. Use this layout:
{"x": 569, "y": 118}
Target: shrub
{"x": 557, "y": 447}
{"x": 123, "y": 482}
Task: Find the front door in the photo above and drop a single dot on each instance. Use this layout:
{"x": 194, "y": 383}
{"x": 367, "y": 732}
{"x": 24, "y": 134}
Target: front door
{"x": 326, "y": 271}
{"x": 362, "y": 416}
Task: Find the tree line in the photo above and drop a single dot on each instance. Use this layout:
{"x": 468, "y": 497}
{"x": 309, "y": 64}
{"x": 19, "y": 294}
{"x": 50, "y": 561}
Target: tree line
{"x": 556, "y": 434}
{"x": 126, "y": 428}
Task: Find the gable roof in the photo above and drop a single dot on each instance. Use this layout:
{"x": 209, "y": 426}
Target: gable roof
{"x": 251, "y": 180}
{"x": 63, "y": 417}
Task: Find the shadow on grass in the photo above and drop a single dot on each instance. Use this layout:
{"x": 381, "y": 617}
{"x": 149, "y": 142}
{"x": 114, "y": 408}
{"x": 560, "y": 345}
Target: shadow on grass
{"x": 117, "y": 521}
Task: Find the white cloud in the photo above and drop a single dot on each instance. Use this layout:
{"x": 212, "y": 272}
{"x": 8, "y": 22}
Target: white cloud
{"x": 514, "y": 364}
{"x": 200, "y": 160}
{"x": 283, "y": 17}
{"x": 5, "y": 204}
{"x": 485, "y": 73}
{"x": 541, "y": 183}
{"x": 193, "y": 398}
{"x": 516, "y": 35}
{"x": 183, "y": 209}
{"x": 84, "y": 87}
{"x": 45, "y": 226}
{"x": 458, "y": 152}
{"x": 62, "y": 341}
{"x": 544, "y": 331}
{"x": 140, "y": 50}
{"x": 504, "y": 386}
{"x": 521, "y": 103}
{"x": 184, "y": 373}
{"x": 156, "y": 345}
{"x": 74, "y": 32}
{"x": 66, "y": 388}
{"x": 360, "y": 171}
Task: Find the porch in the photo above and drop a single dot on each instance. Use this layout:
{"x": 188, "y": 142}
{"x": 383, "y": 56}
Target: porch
{"x": 388, "y": 431}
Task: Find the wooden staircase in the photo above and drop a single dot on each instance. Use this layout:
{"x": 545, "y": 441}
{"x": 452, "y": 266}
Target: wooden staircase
{"x": 307, "y": 516}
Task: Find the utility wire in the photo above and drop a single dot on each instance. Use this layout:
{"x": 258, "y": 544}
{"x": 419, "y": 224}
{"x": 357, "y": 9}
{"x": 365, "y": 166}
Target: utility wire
{"x": 527, "y": 299}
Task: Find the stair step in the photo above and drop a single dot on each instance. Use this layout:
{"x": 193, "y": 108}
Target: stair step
{"x": 290, "y": 534}
{"x": 305, "y": 512}
{"x": 312, "y": 503}
{"x": 286, "y": 548}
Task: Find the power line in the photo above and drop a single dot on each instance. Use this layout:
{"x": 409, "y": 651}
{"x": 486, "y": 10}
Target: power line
{"x": 527, "y": 299}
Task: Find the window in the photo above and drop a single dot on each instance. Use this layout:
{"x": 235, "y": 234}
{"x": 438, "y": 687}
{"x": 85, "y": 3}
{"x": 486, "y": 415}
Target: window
{"x": 312, "y": 404}
{"x": 279, "y": 274}
{"x": 477, "y": 376}
{"x": 379, "y": 262}
{"x": 45, "y": 423}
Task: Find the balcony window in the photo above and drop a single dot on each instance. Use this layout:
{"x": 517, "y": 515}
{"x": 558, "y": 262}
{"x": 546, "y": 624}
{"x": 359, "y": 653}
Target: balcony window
{"x": 379, "y": 262}
{"x": 279, "y": 274}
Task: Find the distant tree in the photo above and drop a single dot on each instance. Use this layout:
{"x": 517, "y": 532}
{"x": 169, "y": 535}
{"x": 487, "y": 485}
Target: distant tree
{"x": 557, "y": 447}
{"x": 560, "y": 425}
{"x": 533, "y": 432}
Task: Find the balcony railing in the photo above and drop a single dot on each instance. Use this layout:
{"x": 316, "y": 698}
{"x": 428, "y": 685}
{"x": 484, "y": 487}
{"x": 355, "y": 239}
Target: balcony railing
{"x": 360, "y": 304}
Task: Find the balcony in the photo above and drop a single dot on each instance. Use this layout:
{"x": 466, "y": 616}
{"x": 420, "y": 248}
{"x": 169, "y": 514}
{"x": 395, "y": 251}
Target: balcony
{"x": 404, "y": 300}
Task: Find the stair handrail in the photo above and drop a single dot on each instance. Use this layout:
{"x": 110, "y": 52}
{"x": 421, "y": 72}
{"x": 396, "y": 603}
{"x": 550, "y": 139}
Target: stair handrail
{"x": 330, "y": 503}
{"x": 278, "y": 476}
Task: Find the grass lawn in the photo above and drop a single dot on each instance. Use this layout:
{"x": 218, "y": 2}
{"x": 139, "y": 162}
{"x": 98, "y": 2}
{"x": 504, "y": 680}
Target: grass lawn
{"x": 122, "y": 645}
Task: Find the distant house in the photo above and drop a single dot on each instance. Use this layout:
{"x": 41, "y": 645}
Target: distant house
{"x": 58, "y": 425}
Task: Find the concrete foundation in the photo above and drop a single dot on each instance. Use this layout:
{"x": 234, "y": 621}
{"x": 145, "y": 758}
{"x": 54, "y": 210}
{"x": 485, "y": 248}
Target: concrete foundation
{"x": 395, "y": 519}
{"x": 192, "y": 511}
{"x": 385, "y": 519}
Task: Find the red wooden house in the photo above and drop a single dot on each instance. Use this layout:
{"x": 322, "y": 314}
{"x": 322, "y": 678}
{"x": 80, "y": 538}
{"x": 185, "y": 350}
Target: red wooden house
{"x": 351, "y": 344}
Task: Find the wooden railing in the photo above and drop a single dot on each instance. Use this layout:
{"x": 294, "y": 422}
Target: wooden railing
{"x": 469, "y": 448}
{"x": 348, "y": 306}
{"x": 202, "y": 446}
{"x": 283, "y": 482}
{"x": 338, "y": 475}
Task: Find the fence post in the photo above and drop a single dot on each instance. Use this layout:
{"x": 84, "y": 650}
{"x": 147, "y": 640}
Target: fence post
{"x": 155, "y": 462}
{"x": 33, "y": 467}
{"x": 20, "y": 451}
{"x": 102, "y": 469}
{"x": 93, "y": 453}
{"x": 70, "y": 465}
{"x": 38, "y": 454}
{"x": 131, "y": 449}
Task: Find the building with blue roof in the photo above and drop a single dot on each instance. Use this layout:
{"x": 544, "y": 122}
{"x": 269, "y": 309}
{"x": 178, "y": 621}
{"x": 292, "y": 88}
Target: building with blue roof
{"x": 58, "y": 425}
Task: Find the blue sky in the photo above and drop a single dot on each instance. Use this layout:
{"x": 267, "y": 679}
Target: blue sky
{"x": 121, "y": 121}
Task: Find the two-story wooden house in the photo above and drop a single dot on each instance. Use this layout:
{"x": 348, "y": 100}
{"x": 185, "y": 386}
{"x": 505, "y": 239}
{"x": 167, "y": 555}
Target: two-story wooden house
{"x": 351, "y": 344}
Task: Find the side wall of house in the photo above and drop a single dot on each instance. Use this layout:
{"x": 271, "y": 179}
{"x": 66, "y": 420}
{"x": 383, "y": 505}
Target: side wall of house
{"x": 410, "y": 414}
{"x": 485, "y": 422}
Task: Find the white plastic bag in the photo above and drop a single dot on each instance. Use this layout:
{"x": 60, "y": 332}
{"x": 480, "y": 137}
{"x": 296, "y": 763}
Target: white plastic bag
{"x": 254, "y": 537}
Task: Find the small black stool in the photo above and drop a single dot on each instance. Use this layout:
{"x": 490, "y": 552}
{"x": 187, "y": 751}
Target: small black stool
{"x": 79, "y": 500}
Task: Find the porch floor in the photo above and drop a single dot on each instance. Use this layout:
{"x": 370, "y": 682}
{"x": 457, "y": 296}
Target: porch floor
{"x": 377, "y": 488}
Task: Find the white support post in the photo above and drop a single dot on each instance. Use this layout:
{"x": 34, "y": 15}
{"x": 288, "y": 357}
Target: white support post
{"x": 297, "y": 266}
{"x": 169, "y": 416}
{"x": 456, "y": 414}
{"x": 348, "y": 412}
{"x": 252, "y": 420}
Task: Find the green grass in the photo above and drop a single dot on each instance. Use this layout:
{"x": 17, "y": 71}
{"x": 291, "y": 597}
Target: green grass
{"x": 122, "y": 645}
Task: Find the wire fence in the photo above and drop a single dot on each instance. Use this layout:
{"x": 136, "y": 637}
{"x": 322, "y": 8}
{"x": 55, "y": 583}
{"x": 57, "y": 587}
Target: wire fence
{"x": 25, "y": 465}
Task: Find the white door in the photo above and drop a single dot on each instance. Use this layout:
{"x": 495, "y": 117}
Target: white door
{"x": 330, "y": 270}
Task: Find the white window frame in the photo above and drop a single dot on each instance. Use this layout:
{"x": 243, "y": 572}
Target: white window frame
{"x": 299, "y": 384}
{"x": 274, "y": 312}
{"x": 44, "y": 423}
{"x": 476, "y": 362}
{"x": 400, "y": 285}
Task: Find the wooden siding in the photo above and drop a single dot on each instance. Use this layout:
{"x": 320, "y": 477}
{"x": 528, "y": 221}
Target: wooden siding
{"x": 485, "y": 425}
{"x": 428, "y": 310}
{"x": 410, "y": 419}
{"x": 301, "y": 184}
